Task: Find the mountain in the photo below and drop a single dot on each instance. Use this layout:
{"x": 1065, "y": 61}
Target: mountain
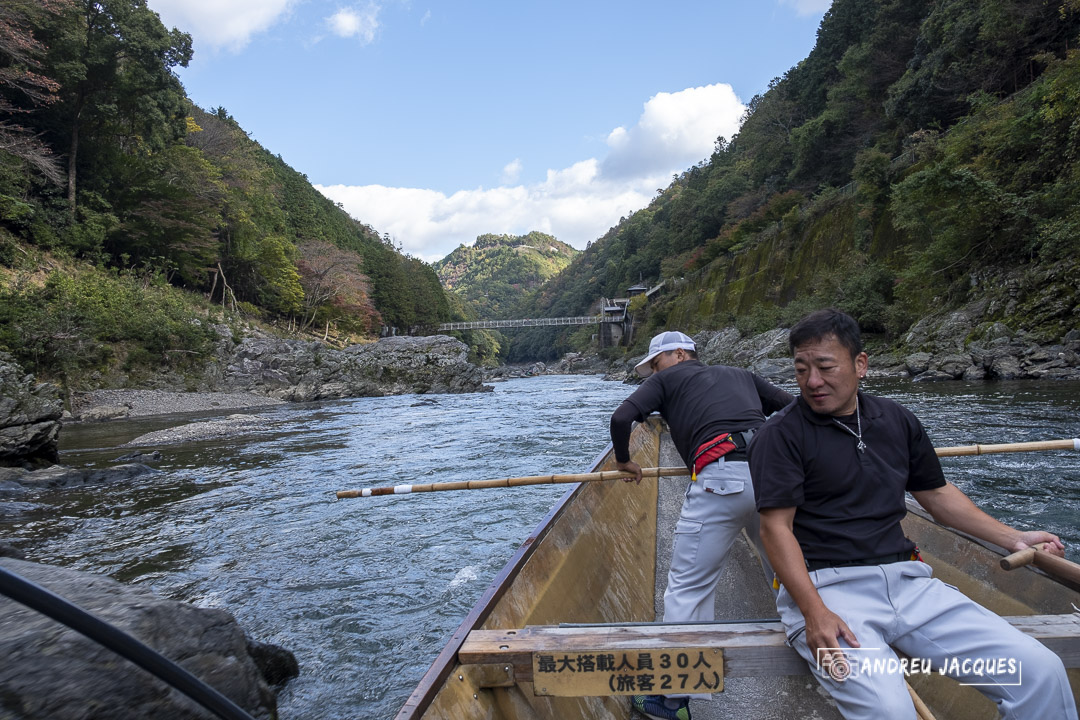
{"x": 922, "y": 158}
{"x": 497, "y": 272}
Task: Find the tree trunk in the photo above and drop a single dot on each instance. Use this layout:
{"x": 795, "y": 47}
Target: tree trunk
{"x": 213, "y": 287}
{"x": 225, "y": 289}
{"x": 73, "y": 153}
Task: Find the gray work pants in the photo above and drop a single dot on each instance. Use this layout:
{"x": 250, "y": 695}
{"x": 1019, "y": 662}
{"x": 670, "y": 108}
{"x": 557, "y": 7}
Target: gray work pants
{"x": 717, "y": 506}
{"x": 936, "y": 626}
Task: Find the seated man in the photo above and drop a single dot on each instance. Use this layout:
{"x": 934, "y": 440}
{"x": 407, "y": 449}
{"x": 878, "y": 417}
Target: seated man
{"x": 830, "y": 472}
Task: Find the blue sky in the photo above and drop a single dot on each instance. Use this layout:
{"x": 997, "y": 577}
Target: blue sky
{"x": 438, "y": 121}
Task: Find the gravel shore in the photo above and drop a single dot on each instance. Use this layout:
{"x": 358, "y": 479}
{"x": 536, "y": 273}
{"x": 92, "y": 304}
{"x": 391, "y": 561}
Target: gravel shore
{"x": 204, "y": 430}
{"x": 113, "y": 404}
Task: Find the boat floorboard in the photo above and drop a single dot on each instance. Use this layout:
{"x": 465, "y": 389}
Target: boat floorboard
{"x": 742, "y": 594}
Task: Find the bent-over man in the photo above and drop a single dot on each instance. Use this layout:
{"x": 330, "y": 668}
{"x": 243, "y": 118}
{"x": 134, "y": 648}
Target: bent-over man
{"x": 830, "y": 472}
{"x": 712, "y": 412}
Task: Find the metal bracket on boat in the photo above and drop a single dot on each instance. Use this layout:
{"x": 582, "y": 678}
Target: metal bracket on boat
{"x": 489, "y": 675}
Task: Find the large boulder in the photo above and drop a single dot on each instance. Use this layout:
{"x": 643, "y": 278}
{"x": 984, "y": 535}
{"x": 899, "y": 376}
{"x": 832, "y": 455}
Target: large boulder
{"x": 766, "y": 353}
{"x": 302, "y": 371}
{"x": 947, "y": 332}
{"x": 50, "y": 671}
{"x": 29, "y": 417}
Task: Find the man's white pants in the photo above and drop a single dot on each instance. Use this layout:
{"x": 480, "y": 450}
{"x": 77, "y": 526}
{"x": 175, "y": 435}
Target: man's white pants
{"x": 901, "y": 605}
{"x": 716, "y": 507}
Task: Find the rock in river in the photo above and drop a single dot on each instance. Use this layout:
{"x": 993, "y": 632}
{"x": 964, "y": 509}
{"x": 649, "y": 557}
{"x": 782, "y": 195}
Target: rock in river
{"x": 50, "y": 671}
{"x": 29, "y": 417}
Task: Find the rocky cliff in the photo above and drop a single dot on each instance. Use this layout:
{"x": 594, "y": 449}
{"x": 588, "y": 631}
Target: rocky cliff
{"x": 302, "y": 371}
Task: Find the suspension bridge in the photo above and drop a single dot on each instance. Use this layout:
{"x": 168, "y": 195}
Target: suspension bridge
{"x": 528, "y": 322}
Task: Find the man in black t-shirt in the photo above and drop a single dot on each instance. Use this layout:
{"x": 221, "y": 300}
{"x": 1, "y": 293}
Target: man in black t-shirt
{"x": 712, "y": 411}
{"x": 830, "y": 475}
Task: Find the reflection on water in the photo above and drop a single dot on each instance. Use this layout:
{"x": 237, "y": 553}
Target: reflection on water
{"x": 367, "y": 591}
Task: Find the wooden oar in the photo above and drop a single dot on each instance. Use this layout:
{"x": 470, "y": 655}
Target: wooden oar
{"x": 511, "y": 482}
{"x": 1051, "y": 564}
{"x": 1073, "y": 444}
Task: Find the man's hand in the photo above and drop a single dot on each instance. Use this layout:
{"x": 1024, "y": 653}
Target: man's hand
{"x": 1050, "y": 543}
{"x": 824, "y": 630}
{"x": 631, "y": 467}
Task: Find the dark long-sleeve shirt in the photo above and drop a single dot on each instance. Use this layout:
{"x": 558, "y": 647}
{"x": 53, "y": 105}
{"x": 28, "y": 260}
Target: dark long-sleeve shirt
{"x": 698, "y": 402}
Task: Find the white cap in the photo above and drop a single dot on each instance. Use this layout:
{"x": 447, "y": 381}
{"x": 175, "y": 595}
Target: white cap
{"x": 665, "y": 341}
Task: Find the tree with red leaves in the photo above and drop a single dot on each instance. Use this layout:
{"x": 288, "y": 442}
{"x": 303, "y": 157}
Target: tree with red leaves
{"x": 23, "y": 88}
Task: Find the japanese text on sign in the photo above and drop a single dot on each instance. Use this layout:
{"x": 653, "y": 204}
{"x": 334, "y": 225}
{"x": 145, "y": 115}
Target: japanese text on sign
{"x": 636, "y": 672}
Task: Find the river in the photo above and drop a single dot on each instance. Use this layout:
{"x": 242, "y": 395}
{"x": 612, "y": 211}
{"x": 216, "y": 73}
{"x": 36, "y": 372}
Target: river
{"x": 365, "y": 592}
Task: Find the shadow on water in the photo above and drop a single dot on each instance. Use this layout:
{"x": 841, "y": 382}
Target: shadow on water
{"x": 366, "y": 591}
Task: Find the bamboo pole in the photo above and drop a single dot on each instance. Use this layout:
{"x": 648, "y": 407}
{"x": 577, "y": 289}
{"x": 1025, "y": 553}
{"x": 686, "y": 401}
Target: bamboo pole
{"x": 512, "y": 482}
{"x": 1073, "y": 444}
{"x": 1068, "y": 444}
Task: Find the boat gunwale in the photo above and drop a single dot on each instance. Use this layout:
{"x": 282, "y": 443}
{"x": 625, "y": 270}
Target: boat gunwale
{"x": 914, "y": 508}
{"x": 436, "y": 675}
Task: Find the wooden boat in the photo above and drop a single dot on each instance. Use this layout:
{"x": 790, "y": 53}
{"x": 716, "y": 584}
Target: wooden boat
{"x": 593, "y": 560}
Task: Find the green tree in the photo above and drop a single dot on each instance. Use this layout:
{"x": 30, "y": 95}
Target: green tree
{"x": 169, "y": 208}
{"x": 114, "y": 61}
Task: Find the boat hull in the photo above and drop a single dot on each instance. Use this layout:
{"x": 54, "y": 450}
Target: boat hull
{"x": 594, "y": 559}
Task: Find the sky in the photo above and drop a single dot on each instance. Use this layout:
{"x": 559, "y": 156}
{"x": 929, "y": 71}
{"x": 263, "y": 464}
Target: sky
{"x": 436, "y": 121}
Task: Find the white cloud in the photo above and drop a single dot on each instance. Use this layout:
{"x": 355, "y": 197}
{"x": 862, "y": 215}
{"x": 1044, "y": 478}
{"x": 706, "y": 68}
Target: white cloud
{"x": 675, "y": 130}
{"x": 356, "y": 22}
{"x": 511, "y": 172}
{"x": 570, "y": 204}
{"x": 808, "y": 7}
{"x": 577, "y": 204}
{"x": 219, "y": 24}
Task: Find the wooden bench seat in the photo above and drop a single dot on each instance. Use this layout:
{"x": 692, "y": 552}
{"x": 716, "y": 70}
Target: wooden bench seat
{"x": 750, "y": 649}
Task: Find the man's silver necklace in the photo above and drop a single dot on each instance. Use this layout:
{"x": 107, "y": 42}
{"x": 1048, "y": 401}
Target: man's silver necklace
{"x": 860, "y": 446}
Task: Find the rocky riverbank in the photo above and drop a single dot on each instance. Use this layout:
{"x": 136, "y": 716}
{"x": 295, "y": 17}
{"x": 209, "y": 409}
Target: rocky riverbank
{"x": 570, "y": 364}
{"x": 29, "y": 417}
{"x": 113, "y": 404}
{"x": 958, "y": 345}
{"x": 953, "y": 346}
{"x": 261, "y": 371}
{"x": 54, "y": 672}
{"x": 299, "y": 371}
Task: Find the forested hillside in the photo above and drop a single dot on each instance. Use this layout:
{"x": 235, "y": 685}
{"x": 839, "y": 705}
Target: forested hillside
{"x": 494, "y": 273}
{"x": 116, "y": 192}
{"x": 924, "y": 155}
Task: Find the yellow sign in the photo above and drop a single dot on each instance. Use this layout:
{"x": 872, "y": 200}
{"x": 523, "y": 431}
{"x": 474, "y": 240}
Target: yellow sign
{"x": 657, "y": 671}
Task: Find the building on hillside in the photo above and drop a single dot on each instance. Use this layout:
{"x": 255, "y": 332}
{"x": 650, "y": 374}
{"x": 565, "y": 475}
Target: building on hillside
{"x": 614, "y": 320}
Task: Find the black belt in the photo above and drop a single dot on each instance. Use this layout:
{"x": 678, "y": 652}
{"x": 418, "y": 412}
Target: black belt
{"x": 739, "y": 453}
{"x": 812, "y": 565}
